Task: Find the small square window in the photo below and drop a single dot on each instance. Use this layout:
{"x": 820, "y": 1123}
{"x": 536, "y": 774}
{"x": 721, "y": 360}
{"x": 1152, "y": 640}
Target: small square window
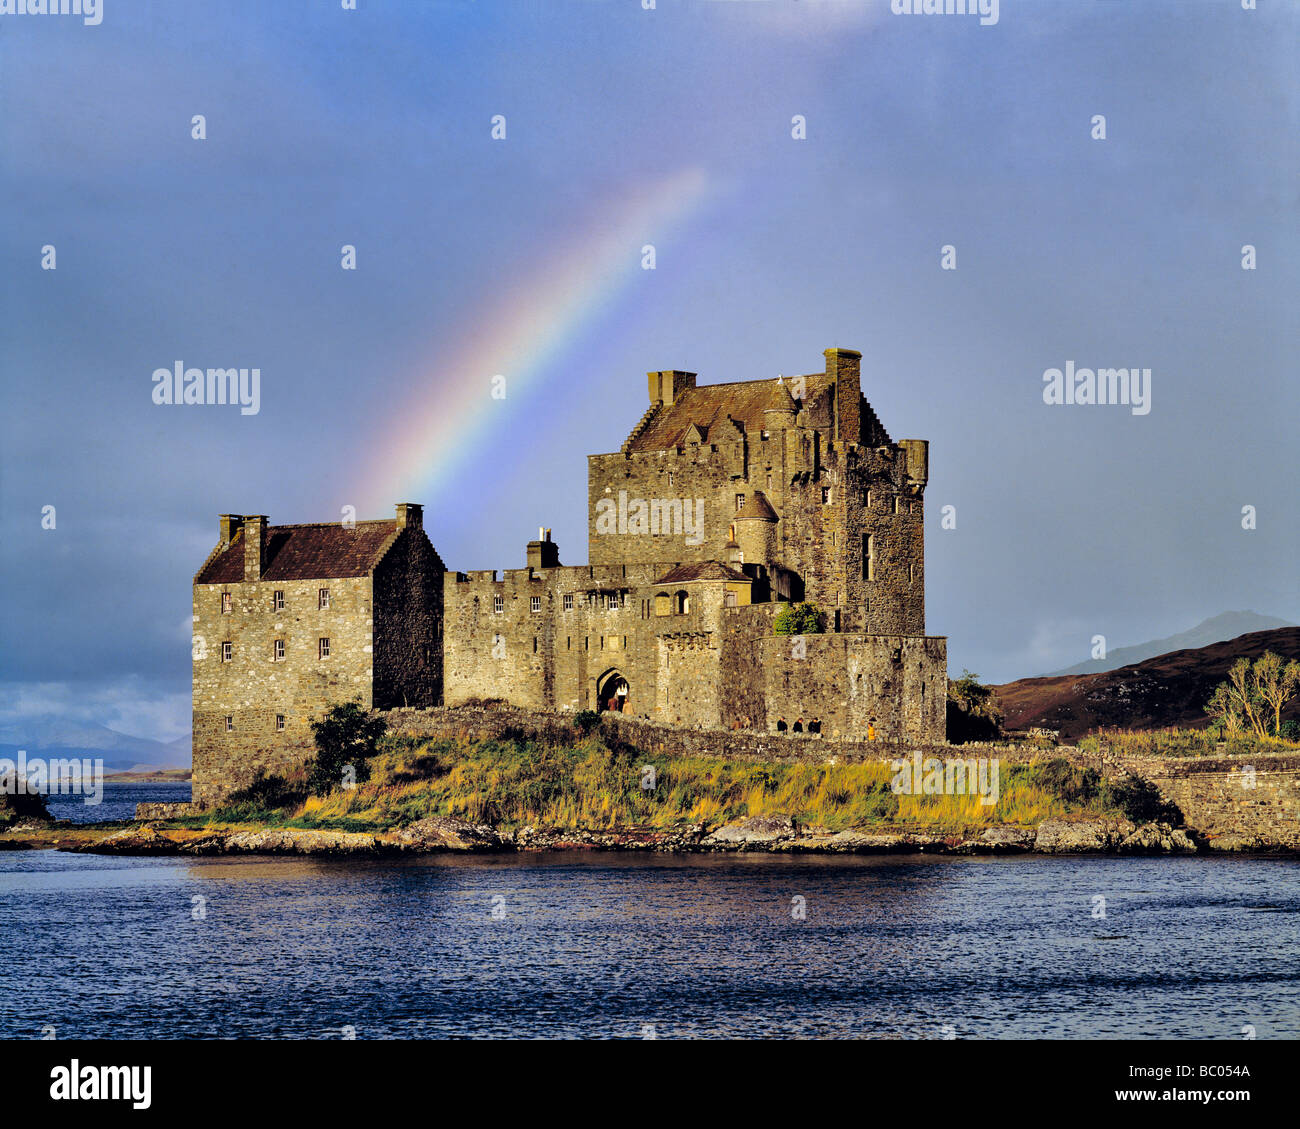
{"x": 277, "y": 651}
{"x": 323, "y": 599}
{"x": 230, "y": 723}
{"x": 498, "y": 604}
{"x": 534, "y": 603}
{"x": 277, "y": 600}
{"x": 740, "y": 501}
{"x": 568, "y": 602}
{"x": 279, "y": 722}
{"x": 323, "y": 649}
{"x": 227, "y": 652}
{"x": 225, "y": 603}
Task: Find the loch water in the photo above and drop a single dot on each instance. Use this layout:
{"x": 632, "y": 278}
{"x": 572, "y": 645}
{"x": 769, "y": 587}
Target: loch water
{"x": 599, "y": 945}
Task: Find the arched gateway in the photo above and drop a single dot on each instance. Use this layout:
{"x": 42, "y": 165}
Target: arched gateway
{"x": 611, "y": 692}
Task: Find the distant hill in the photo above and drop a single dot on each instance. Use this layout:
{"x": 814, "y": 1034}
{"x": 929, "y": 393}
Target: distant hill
{"x": 1217, "y": 629}
{"x": 52, "y": 738}
{"x": 1169, "y": 689}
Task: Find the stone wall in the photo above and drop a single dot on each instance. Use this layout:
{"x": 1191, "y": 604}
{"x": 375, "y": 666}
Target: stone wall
{"x": 1237, "y": 803}
{"x": 254, "y": 690}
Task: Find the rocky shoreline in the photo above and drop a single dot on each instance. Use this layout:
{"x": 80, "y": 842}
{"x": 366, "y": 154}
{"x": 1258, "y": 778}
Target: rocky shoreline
{"x": 773, "y": 834}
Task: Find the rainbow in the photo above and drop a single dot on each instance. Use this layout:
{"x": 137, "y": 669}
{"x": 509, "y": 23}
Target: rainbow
{"x": 526, "y": 330}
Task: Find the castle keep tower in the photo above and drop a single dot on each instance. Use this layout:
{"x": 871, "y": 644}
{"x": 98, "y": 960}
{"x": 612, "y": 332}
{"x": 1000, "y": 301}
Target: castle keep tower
{"x": 725, "y": 503}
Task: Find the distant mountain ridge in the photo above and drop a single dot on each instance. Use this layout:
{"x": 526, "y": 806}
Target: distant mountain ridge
{"x": 1216, "y": 629}
{"x": 1165, "y": 690}
{"x": 51, "y": 737}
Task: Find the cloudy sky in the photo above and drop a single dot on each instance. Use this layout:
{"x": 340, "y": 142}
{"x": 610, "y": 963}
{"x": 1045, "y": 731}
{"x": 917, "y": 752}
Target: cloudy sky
{"x": 522, "y": 257}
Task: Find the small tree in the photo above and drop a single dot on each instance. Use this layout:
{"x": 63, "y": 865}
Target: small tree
{"x": 1255, "y": 694}
{"x": 973, "y": 710}
{"x": 799, "y": 619}
{"x": 346, "y": 738}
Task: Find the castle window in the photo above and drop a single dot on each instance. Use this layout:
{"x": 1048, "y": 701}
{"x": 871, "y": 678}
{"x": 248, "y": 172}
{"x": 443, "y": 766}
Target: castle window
{"x": 568, "y": 601}
{"x": 230, "y": 723}
{"x": 729, "y": 599}
{"x": 279, "y": 722}
{"x": 740, "y": 501}
{"x": 277, "y": 600}
{"x": 534, "y": 603}
{"x": 663, "y": 604}
{"x": 769, "y": 474}
{"x": 277, "y": 651}
{"x": 323, "y": 598}
{"x": 568, "y": 642}
{"x": 868, "y": 557}
{"x": 683, "y": 603}
{"x": 534, "y": 644}
{"x": 826, "y": 495}
{"x": 911, "y": 574}
{"x": 897, "y": 508}
{"x": 227, "y": 652}
{"x": 498, "y": 604}
{"x": 323, "y": 649}
{"x": 225, "y": 603}
{"x": 670, "y": 478}
{"x": 868, "y": 499}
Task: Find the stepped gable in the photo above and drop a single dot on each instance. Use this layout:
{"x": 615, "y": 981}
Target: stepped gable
{"x": 306, "y": 552}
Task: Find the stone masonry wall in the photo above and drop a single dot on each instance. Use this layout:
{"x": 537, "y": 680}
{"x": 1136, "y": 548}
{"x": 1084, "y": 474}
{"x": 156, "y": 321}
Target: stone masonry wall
{"x": 253, "y": 689}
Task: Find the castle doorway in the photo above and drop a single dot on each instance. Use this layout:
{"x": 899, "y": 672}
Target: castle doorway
{"x": 611, "y": 692}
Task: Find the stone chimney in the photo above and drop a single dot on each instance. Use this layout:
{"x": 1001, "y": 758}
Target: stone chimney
{"x": 254, "y": 546}
{"x": 230, "y": 526}
{"x": 918, "y": 460}
{"x": 410, "y": 515}
{"x": 669, "y": 384}
{"x": 844, "y": 367}
{"x": 543, "y": 553}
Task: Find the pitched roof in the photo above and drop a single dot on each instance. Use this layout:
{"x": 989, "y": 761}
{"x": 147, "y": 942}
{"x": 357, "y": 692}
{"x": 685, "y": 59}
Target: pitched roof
{"x": 757, "y": 506}
{"x": 710, "y": 405}
{"x": 306, "y": 552}
{"x": 701, "y": 570}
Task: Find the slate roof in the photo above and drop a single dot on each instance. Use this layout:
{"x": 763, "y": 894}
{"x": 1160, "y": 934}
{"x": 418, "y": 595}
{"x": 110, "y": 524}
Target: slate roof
{"x": 757, "y": 506}
{"x": 701, "y": 570}
{"x": 709, "y": 405}
{"x": 306, "y": 552}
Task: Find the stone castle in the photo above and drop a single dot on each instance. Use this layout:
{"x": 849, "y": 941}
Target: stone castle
{"x": 726, "y": 503}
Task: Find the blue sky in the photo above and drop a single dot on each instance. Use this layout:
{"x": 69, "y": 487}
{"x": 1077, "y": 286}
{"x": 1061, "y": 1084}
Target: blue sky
{"x": 372, "y": 128}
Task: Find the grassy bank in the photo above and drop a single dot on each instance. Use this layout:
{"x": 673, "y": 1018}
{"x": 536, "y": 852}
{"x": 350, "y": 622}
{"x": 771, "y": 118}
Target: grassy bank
{"x": 1182, "y": 743}
{"x": 584, "y": 783}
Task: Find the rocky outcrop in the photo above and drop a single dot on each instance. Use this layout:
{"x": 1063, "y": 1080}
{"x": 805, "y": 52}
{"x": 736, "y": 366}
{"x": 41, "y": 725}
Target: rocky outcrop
{"x": 146, "y": 840}
{"x": 440, "y": 833}
{"x": 18, "y": 809}
{"x": 1156, "y": 838}
{"x": 1059, "y": 836}
{"x": 757, "y": 832}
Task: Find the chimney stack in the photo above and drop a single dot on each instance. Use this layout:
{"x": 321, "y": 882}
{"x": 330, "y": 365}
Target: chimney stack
{"x": 230, "y": 526}
{"x": 410, "y": 515}
{"x": 254, "y": 546}
{"x": 669, "y": 384}
{"x": 844, "y": 367}
{"x": 543, "y": 553}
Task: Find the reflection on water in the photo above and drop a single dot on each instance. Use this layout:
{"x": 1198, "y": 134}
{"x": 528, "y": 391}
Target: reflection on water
{"x": 601, "y": 945}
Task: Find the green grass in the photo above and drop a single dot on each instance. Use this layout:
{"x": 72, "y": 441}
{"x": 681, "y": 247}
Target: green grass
{"x": 584, "y": 783}
{"x": 1174, "y": 742}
